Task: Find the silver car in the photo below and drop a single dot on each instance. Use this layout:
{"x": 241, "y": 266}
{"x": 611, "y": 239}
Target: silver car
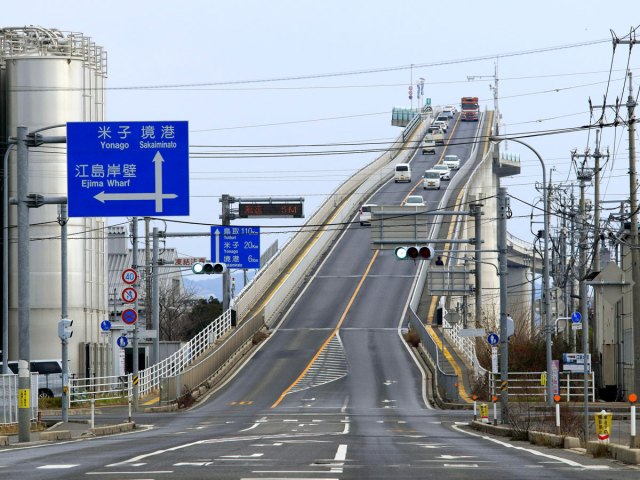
{"x": 365, "y": 213}
{"x": 445, "y": 172}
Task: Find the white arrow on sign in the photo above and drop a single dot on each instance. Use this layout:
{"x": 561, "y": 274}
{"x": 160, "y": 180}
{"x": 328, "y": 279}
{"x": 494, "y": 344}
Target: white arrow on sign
{"x": 158, "y": 196}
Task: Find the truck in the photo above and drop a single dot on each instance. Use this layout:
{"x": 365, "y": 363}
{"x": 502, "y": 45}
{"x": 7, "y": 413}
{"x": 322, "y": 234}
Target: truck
{"x": 469, "y": 109}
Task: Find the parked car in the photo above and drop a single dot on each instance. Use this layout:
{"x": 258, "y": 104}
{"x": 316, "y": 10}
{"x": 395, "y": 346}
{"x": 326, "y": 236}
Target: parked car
{"x": 414, "y": 201}
{"x": 445, "y": 172}
{"x": 49, "y": 376}
{"x": 452, "y": 161}
{"x": 365, "y": 213}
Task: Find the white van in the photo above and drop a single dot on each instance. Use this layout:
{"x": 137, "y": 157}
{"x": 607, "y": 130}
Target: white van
{"x": 431, "y": 180}
{"x": 402, "y": 173}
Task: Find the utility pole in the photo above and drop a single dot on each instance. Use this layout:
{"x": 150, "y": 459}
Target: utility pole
{"x": 584, "y": 175}
{"x": 494, "y": 89}
{"x": 503, "y": 210}
{"x": 633, "y": 206}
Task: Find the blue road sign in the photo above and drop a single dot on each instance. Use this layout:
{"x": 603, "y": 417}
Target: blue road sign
{"x": 237, "y": 247}
{"x": 122, "y": 341}
{"x": 493, "y": 339}
{"x": 129, "y": 316}
{"x": 124, "y": 169}
{"x": 576, "y": 317}
{"x": 105, "y": 325}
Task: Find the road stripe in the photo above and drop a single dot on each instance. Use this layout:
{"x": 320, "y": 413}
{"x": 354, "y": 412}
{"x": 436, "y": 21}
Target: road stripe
{"x": 335, "y": 331}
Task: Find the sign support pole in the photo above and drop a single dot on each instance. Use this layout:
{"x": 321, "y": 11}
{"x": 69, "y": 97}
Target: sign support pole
{"x": 155, "y": 297}
{"x": 503, "y": 209}
{"x": 134, "y": 343}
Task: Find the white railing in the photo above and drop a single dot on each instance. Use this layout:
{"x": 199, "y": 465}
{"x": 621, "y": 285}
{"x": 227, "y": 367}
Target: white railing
{"x": 149, "y": 378}
{"x": 100, "y": 388}
{"x": 9, "y": 398}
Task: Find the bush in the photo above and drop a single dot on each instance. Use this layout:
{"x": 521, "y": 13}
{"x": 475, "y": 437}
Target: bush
{"x": 412, "y": 338}
{"x": 259, "y": 336}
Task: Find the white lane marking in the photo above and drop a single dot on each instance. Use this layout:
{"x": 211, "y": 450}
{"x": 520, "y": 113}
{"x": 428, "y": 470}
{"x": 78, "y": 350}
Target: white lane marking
{"x": 58, "y": 466}
{"x": 533, "y": 452}
{"x": 236, "y": 457}
{"x": 255, "y": 425}
{"x": 340, "y": 457}
{"x": 192, "y": 464}
{"x": 455, "y": 457}
{"x": 288, "y": 478}
{"x": 155, "y": 472}
{"x": 461, "y": 465}
{"x": 345, "y": 404}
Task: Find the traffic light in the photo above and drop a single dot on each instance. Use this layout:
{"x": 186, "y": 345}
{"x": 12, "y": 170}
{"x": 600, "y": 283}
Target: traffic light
{"x": 64, "y": 329}
{"x": 208, "y": 268}
{"x": 414, "y": 252}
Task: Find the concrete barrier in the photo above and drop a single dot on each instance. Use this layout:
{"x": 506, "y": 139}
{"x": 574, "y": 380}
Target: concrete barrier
{"x": 111, "y": 429}
{"x": 618, "y": 452}
{"x": 55, "y": 435}
{"x": 4, "y": 441}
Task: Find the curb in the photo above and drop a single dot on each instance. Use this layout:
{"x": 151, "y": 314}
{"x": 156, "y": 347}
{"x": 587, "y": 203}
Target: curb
{"x": 621, "y": 453}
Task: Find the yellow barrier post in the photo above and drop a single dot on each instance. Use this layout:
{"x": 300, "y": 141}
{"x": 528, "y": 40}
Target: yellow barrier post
{"x": 603, "y": 425}
{"x": 484, "y": 413}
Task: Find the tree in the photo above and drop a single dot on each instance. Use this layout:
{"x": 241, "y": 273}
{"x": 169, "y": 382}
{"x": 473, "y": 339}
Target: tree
{"x": 175, "y": 304}
{"x": 202, "y": 314}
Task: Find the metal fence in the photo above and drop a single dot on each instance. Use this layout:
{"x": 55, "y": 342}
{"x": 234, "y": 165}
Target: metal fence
{"x": 9, "y": 398}
{"x": 530, "y": 386}
{"x": 100, "y": 388}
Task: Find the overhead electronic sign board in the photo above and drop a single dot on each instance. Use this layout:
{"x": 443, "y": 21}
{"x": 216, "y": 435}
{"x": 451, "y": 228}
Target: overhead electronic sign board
{"x": 271, "y": 209}
{"x": 124, "y": 169}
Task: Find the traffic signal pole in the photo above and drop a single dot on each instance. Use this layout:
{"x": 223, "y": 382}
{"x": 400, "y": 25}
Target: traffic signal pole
{"x": 134, "y": 343}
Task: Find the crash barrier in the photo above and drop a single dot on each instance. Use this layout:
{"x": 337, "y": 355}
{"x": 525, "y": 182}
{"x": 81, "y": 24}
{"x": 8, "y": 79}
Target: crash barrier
{"x": 446, "y": 383}
{"x": 174, "y": 387}
{"x": 9, "y": 398}
{"x": 338, "y": 207}
{"x": 532, "y": 386}
{"x": 81, "y": 389}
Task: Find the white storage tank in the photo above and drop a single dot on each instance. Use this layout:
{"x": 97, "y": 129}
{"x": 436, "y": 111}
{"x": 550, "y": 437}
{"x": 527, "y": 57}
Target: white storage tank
{"x": 50, "y": 78}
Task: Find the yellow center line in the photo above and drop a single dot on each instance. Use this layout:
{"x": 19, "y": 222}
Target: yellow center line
{"x": 439, "y": 343}
{"x": 335, "y": 331}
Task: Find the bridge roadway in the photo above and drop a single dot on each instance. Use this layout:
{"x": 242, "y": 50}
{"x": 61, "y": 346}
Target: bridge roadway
{"x": 334, "y": 393}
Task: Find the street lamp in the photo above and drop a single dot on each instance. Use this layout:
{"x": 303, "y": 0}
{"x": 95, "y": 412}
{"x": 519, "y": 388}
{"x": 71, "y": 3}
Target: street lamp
{"x": 545, "y": 266}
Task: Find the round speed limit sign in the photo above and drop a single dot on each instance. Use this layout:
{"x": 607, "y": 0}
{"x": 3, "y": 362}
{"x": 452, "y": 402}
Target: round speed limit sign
{"x": 129, "y": 276}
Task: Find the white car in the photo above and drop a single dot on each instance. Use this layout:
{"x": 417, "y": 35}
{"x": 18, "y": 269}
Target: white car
{"x": 445, "y": 172}
{"x": 365, "y": 213}
{"x": 442, "y": 124}
{"x": 450, "y": 108}
{"x": 414, "y": 201}
{"x": 452, "y": 161}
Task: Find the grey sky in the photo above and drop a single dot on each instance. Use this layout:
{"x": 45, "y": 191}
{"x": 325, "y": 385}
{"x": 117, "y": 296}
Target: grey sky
{"x": 191, "y": 48}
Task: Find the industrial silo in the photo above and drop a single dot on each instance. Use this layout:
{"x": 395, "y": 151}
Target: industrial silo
{"x": 49, "y": 78}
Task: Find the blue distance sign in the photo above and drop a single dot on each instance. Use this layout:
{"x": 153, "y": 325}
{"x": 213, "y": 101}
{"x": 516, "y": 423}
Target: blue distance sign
{"x": 237, "y": 247}
{"x": 493, "y": 339}
{"x": 122, "y": 341}
{"x": 124, "y": 169}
